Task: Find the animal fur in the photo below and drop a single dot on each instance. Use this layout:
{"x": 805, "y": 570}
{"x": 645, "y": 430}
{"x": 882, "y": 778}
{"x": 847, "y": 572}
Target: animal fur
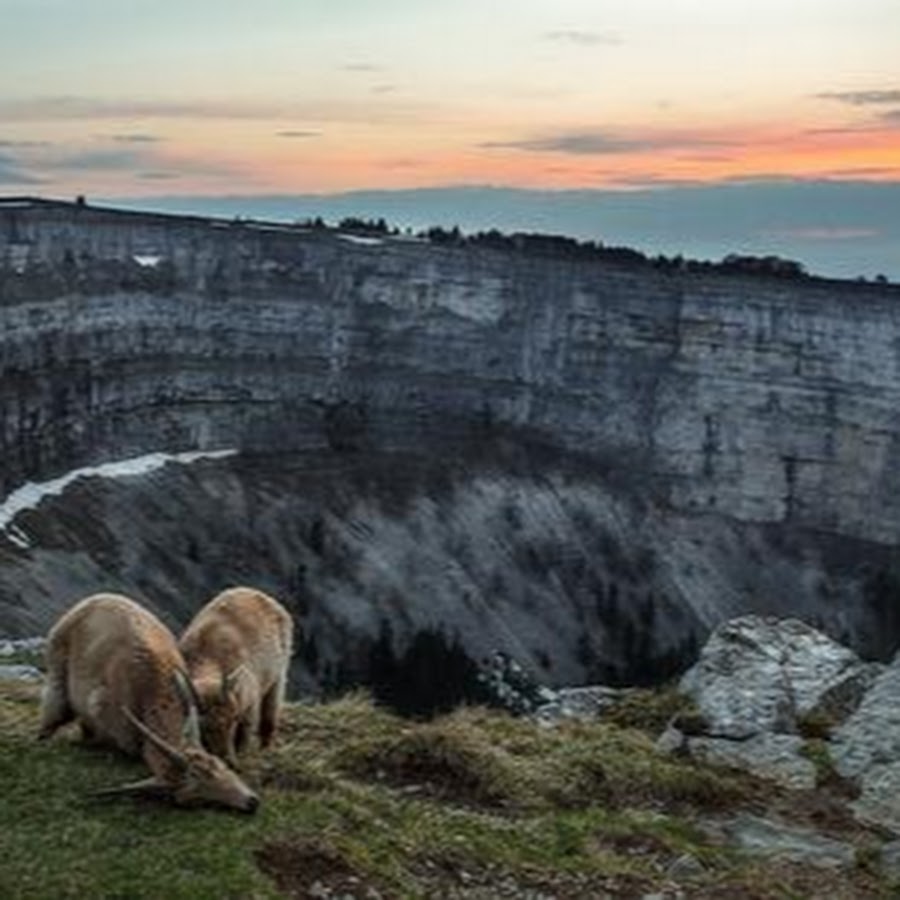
{"x": 116, "y": 668}
{"x": 238, "y": 650}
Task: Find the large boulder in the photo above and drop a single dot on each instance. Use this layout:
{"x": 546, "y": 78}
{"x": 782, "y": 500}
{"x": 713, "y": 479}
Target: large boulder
{"x": 760, "y": 674}
{"x": 871, "y": 735}
{"x": 866, "y": 749}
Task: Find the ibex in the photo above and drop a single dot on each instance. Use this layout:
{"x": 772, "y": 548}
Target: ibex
{"x": 238, "y": 649}
{"x": 116, "y": 668}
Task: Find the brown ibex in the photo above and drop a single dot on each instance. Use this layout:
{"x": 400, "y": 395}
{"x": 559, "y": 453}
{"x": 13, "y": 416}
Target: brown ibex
{"x": 116, "y": 668}
{"x": 238, "y": 649}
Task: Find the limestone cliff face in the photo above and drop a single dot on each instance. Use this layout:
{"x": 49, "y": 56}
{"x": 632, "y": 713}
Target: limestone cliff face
{"x": 739, "y": 402}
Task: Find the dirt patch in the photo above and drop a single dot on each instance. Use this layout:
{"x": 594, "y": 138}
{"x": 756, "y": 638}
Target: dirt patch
{"x": 309, "y": 868}
{"x": 825, "y": 811}
{"x": 777, "y": 880}
{"x": 442, "y": 876}
{"x": 642, "y": 846}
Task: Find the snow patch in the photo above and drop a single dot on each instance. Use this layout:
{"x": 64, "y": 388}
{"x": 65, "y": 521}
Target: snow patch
{"x": 30, "y": 495}
{"x": 18, "y": 537}
{"x": 362, "y": 241}
{"x": 270, "y": 226}
{"x": 147, "y": 260}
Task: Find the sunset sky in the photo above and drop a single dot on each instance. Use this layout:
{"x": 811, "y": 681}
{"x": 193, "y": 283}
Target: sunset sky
{"x": 137, "y": 98}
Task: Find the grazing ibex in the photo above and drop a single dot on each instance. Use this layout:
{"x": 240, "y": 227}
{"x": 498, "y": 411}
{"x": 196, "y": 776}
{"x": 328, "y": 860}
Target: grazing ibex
{"x": 116, "y": 668}
{"x": 238, "y": 649}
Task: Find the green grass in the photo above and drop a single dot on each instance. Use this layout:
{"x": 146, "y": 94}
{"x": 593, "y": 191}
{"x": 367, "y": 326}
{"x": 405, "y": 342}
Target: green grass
{"x": 356, "y": 798}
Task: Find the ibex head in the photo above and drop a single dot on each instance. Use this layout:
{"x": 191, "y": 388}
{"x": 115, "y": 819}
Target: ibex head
{"x": 222, "y": 713}
{"x": 193, "y": 776}
{"x": 197, "y": 777}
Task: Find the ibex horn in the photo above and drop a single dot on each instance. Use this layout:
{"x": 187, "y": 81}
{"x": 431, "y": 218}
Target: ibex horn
{"x": 146, "y": 787}
{"x": 191, "y": 729}
{"x": 160, "y": 743}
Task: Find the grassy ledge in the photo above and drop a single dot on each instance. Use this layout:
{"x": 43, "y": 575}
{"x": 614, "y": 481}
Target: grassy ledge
{"x": 357, "y": 801}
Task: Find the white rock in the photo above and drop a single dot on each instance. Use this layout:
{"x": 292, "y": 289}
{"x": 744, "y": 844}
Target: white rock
{"x": 766, "y": 837}
{"x": 773, "y": 756}
{"x": 759, "y": 674}
{"x": 871, "y": 736}
{"x": 879, "y": 801}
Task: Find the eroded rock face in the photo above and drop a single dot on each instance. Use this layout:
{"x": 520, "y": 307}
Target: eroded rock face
{"x": 751, "y": 398}
{"x": 761, "y": 674}
{"x": 710, "y": 444}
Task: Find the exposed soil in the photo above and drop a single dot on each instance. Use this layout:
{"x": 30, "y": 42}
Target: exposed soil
{"x": 305, "y": 868}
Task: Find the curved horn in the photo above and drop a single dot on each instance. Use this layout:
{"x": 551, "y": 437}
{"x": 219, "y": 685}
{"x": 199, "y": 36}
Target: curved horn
{"x": 191, "y": 729}
{"x": 146, "y": 787}
{"x": 160, "y": 743}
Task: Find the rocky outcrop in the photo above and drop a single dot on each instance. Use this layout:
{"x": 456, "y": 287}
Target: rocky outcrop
{"x": 765, "y": 675}
{"x": 778, "y": 699}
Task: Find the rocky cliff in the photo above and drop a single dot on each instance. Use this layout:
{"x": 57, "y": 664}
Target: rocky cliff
{"x": 587, "y": 463}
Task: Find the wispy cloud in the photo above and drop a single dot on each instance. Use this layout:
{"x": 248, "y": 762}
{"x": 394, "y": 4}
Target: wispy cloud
{"x": 48, "y": 109}
{"x": 581, "y": 143}
{"x": 591, "y": 143}
{"x": 583, "y": 38}
{"x": 36, "y": 109}
{"x": 141, "y": 159}
{"x": 402, "y": 162}
{"x": 845, "y": 129}
{"x": 362, "y": 67}
{"x": 11, "y": 172}
{"x": 135, "y": 138}
{"x": 863, "y": 172}
{"x": 892, "y": 117}
{"x": 26, "y": 145}
{"x": 120, "y": 159}
{"x": 827, "y": 233}
{"x": 298, "y": 134}
{"x": 707, "y": 157}
{"x": 862, "y": 98}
